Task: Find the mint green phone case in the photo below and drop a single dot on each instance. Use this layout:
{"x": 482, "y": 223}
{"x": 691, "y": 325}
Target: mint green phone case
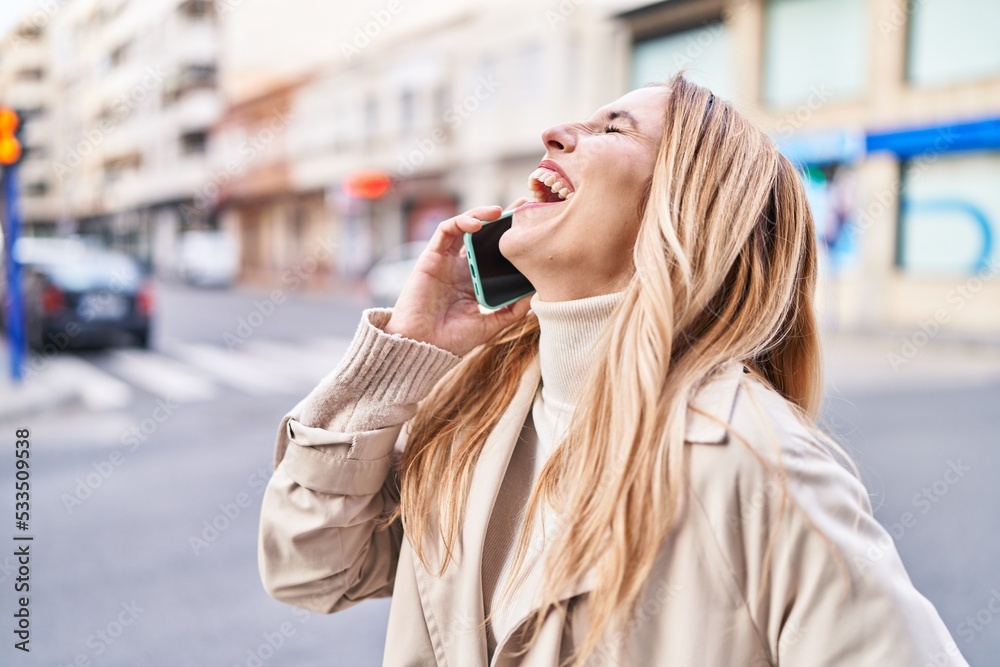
{"x": 474, "y": 270}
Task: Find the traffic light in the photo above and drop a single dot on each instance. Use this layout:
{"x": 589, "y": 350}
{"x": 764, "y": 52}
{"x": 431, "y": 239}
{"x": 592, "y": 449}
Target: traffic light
{"x": 10, "y": 143}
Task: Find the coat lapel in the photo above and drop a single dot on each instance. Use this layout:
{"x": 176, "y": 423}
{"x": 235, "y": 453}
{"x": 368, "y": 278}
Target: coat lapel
{"x": 708, "y": 415}
{"x": 455, "y": 600}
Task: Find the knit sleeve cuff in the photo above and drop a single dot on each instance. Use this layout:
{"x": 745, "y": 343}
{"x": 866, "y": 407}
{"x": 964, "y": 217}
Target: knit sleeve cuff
{"x": 377, "y": 380}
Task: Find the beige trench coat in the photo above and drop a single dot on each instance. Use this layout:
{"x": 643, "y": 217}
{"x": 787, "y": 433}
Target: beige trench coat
{"x": 836, "y": 596}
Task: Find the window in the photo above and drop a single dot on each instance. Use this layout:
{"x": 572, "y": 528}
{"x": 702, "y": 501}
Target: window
{"x": 949, "y": 214}
{"x": 196, "y": 9}
{"x": 119, "y": 55}
{"x": 108, "y": 114}
{"x": 298, "y": 229}
{"x": 340, "y": 126}
{"x": 371, "y": 118}
{"x": 190, "y": 77}
{"x": 32, "y": 113}
{"x": 37, "y": 152}
{"x": 36, "y": 189}
{"x": 193, "y": 143}
{"x": 198, "y": 75}
{"x": 407, "y": 111}
{"x": 29, "y": 32}
{"x": 530, "y": 71}
{"x": 115, "y": 168}
{"x": 814, "y": 49}
{"x": 31, "y": 74}
{"x": 952, "y": 41}
{"x": 442, "y": 100}
{"x": 704, "y": 53}
{"x": 482, "y": 91}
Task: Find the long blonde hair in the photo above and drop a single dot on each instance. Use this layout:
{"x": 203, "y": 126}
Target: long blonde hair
{"x": 725, "y": 265}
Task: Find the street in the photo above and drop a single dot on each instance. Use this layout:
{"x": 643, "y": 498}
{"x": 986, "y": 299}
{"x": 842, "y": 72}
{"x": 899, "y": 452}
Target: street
{"x": 146, "y": 487}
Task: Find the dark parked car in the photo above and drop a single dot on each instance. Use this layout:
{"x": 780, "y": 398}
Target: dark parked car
{"x": 88, "y": 299}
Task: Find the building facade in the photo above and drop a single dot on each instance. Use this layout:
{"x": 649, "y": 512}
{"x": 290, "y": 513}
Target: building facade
{"x": 892, "y": 109}
{"x": 285, "y": 231}
{"x": 26, "y": 85}
{"x": 450, "y": 107}
{"x": 260, "y": 118}
{"x": 137, "y": 91}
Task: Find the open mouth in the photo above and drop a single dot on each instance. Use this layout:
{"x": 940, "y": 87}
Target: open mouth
{"x": 548, "y": 186}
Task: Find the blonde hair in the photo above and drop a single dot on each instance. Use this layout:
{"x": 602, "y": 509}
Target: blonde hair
{"x": 724, "y": 269}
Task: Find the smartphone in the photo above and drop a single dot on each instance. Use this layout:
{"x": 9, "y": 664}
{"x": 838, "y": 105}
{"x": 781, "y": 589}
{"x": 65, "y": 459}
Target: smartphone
{"x": 496, "y": 281}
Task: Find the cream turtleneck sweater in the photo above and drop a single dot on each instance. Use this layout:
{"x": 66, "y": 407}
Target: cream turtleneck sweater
{"x": 568, "y": 331}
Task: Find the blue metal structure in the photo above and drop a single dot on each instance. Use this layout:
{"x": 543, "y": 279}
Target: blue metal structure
{"x": 978, "y": 135}
{"x": 14, "y": 301}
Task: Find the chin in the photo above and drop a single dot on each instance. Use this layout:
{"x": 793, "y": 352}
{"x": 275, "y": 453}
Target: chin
{"x": 509, "y": 244}
{"x": 519, "y": 246}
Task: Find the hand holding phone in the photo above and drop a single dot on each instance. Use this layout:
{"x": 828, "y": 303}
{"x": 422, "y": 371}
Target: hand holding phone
{"x": 438, "y": 304}
{"x": 496, "y": 281}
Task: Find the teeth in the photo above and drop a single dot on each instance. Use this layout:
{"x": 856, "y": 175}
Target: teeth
{"x": 552, "y": 181}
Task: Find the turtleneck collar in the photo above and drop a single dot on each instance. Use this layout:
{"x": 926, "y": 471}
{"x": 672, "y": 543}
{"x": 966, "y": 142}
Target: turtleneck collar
{"x": 568, "y": 331}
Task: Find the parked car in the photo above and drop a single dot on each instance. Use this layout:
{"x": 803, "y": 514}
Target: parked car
{"x": 387, "y": 276}
{"x": 207, "y": 258}
{"x": 32, "y": 251}
{"x": 91, "y": 299}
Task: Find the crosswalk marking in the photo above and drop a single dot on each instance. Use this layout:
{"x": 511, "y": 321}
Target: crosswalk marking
{"x": 181, "y": 372}
{"x": 97, "y": 390}
{"x": 294, "y": 361}
{"x": 234, "y": 369}
{"x": 162, "y": 376}
{"x": 282, "y": 370}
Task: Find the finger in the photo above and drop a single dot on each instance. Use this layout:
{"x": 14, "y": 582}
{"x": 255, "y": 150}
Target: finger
{"x": 485, "y": 212}
{"x": 447, "y": 238}
{"x": 448, "y": 235}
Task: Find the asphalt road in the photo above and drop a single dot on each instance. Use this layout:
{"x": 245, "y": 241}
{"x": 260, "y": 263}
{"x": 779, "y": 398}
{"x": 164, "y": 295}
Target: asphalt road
{"x": 143, "y": 554}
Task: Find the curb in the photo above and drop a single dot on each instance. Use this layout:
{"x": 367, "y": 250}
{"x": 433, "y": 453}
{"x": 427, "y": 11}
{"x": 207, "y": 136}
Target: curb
{"x": 24, "y": 403}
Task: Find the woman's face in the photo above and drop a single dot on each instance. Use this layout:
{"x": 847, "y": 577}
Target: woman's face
{"x": 578, "y": 242}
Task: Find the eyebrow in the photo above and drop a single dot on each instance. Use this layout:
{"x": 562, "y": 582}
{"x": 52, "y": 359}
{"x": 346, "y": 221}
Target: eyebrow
{"x": 615, "y": 114}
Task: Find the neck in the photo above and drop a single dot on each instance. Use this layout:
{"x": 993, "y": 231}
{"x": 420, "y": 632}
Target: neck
{"x": 568, "y": 332}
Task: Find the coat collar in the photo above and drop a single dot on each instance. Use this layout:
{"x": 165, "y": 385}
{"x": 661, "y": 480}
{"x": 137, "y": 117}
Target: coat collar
{"x": 455, "y": 600}
{"x": 711, "y": 409}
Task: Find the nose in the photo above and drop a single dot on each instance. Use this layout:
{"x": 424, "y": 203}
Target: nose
{"x": 559, "y": 138}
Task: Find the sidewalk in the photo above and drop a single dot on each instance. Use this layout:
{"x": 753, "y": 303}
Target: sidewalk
{"x": 31, "y": 396}
{"x": 891, "y": 361}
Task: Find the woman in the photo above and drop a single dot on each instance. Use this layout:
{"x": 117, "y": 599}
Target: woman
{"x": 627, "y": 474}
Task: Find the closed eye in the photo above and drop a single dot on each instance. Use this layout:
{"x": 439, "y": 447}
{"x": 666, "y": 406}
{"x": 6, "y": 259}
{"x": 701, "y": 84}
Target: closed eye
{"x": 611, "y": 128}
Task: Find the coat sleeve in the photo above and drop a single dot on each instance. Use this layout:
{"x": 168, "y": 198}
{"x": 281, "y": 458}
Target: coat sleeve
{"x": 838, "y": 593}
{"x": 318, "y": 548}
